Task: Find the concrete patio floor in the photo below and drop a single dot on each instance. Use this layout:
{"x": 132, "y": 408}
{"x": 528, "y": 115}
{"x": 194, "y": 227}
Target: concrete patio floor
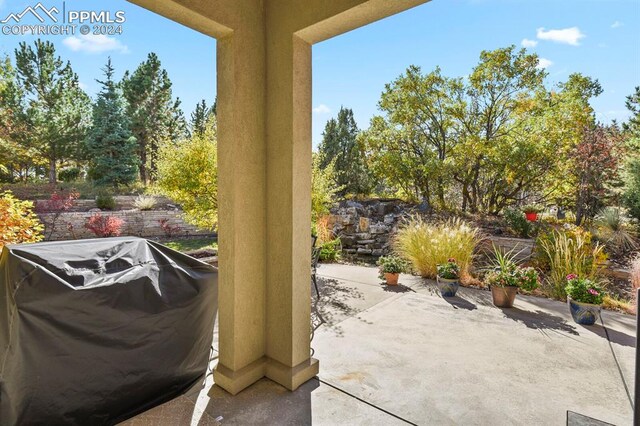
{"x": 405, "y": 355}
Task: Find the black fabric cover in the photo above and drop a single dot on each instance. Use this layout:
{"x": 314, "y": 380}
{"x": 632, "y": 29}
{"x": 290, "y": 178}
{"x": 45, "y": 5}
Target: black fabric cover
{"x": 95, "y": 331}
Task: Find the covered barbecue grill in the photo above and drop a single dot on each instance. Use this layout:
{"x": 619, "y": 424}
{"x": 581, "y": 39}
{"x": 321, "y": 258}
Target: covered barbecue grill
{"x": 95, "y": 331}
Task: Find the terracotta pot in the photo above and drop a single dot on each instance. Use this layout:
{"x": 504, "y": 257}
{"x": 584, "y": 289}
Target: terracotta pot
{"x": 448, "y": 288}
{"x": 392, "y": 279}
{"x": 583, "y": 313}
{"x": 503, "y": 297}
{"x": 531, "y": 217}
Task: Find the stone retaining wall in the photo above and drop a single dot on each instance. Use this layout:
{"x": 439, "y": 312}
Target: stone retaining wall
{"x": 365, "y": 228}
{"x": 71, "y": 225}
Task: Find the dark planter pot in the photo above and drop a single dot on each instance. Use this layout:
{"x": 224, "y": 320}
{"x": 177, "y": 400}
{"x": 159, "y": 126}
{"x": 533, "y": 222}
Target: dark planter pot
{"x": 391, "y": 279}
{"x": 531, "y": 217}
{"x": 448, "y": 288}
{"x": 503, "y": 297}
{"x": 583, "y": 313}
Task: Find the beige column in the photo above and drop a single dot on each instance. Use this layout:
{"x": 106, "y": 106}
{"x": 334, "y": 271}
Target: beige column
{"x": 242, "y": 212}
{"x": 264, "y": 154}
{"x": 288, "y": 128}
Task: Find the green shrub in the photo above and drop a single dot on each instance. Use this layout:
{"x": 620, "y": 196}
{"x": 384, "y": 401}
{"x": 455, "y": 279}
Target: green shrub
{"x": 69, "y": 175}
{"x": 631, "y": 196}
{"x": 105, "y": 201}
{"x": 427, "y": 245}
{"x": 565, "y": 252}
{"x": 330, "y": 251}
{"x": 584, "y": 290}
{"x": 188, "y": 174}
{"x": 323, "y": 187}
{"x": 518, "y": 223}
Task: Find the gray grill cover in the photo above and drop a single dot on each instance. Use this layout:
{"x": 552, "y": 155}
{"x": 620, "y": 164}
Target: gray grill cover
{"x": 95, "y": 331}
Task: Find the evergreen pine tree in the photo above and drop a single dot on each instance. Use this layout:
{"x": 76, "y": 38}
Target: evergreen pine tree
{"x": 49, "y": 112}
{"x": 111, "y": 146}
{"x": 200, "y": 117}
{"x": 155, "y": 116}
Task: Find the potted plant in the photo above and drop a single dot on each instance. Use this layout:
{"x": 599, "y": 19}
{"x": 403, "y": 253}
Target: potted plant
{"x": 448, "y": 279}
{"x": 531, "y": 212}
{"x": 505, "y": 277}
{"x": 390, "y": 268}
{"x": 584, "y": 298}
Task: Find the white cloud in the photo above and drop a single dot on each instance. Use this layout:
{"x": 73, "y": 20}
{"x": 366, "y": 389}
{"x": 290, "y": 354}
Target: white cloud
{"x": 94, "y": 44}
{"x": 529, "y": 43}
{"x": 322, "y": 109}
{"x": 570, "y": 36}
{"x": 617, "y": 24}
{"x": 544, "y": 63}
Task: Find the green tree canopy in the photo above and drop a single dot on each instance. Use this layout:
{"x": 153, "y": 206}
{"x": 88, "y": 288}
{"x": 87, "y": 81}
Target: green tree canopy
{"x": 481, "y": 143}
{"x": 188, "y": 174}
{"x": 48, "y": 115}
{"x": 339, "y": 146}
{"x": 323, "y": 186}
{"x": 155, "y": 116}
{"x": 631, "y": 173}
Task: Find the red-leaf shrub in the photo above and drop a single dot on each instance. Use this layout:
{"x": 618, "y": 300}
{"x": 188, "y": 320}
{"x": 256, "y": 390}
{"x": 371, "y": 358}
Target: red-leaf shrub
{"x": 60, "y": 201}
{"x": 104, "y": 226}
{"x": 168, "y": 229}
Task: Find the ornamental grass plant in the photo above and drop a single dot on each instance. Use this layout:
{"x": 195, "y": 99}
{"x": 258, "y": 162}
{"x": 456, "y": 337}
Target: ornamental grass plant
{"x": 616, "y": 230}
{"x": 145, "y": 202}
{"x": 566, "y": 252}
{"x": 426, "y": 245}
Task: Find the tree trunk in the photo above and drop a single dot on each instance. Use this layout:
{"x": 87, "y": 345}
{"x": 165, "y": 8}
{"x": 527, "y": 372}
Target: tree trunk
{"x": 53, "y": 177}
{"x": 465, "y": 197}
{"x": 143, "y": 166}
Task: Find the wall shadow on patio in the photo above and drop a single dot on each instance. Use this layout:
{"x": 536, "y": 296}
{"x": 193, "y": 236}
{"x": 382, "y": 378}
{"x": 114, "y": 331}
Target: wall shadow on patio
{"x": 400, "y": 288}
{"x": 539, "y": 320}
{"x": 614, "y": 336}
{"x": 458, "y": 302}
{"x": 264, "y": 402}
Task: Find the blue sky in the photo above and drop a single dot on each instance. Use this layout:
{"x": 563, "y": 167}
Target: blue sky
{"x": 599, "y": 38}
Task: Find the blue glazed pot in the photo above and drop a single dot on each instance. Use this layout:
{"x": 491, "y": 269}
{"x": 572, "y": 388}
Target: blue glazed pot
{"x": 448, "y": 288}
{"x": 583, "y": 313}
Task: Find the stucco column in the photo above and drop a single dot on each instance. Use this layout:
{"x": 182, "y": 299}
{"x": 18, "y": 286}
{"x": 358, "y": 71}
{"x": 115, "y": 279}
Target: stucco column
{"x": 264, "y": 166}
{"x": 242, "y": 211}
{"x": 265, "y": 200}
{"x": 288, "y": 298}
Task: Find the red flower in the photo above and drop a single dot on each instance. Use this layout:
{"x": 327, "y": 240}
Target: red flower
{"x": 594, "y": 292}
{"x": 571, "y": 277}
{"x": 451, "y": 260}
